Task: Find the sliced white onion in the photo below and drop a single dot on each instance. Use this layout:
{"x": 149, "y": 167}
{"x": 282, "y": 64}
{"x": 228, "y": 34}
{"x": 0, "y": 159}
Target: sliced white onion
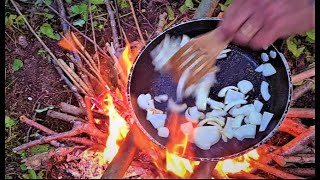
{"x": 215, "y": 113}
{"x": 161, "y": 98}
{"x": 193, "y": 115}
{"x": 268, "y": 70}
{"x": 206, "y": 136}
{"x": 228, "y": 131}
{"x": 266, "y": 118}
{"x": 255, "y": 118}
{"x": 215, "y": 104}
{"x": 272, "y": 54}
{"x": 244, "y": 110}
{"x": 221, "y": 56}
{"x": 157, "y": 120}
{"x": 214, "y": 119}
{"x": 190, "y": 90}
{"x": 245, "y": 86}
{"x": 213, "y": 123}
{"x": 172, "y": 106}
{"x": 245, "y": 131}
{"x": 186, "y": 128}
{"x": 259, "y": 68}
{"x": 246, "y": 120}
{"x": 224, "y": 137}
{"x": 163, "y": 132}
{"x": 265, "y": 90}
{"x": 181, "y": 83}
{"x": 234, "y": 103}
{"x": 185, "y": 40}
{"x": 257, "y": 105}
{"x": 264, "y": 57}
{"x": 202, "y": 91}
{"x": 151, "y": 111}
{"x": 225, "y": 51}
{"x": 233, "y": 96}
{"x": 144, "y": 101}
{"x": 237, "y": 121}
{"x": 224, "y": 90}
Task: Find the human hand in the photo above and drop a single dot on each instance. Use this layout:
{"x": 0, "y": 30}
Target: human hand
{"x": 258, "y": 23}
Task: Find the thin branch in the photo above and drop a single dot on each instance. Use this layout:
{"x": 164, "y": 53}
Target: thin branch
{"x": 89, "y": 112}
{"x": 136, "y": 22}
{"x": 303, "y": 75}
{"x": 162, "y": 22}
{"x": 299, "y": 91}
{"x": 94, "y": 36}
{"x": 115, "y": 36}
{"x": 302, "y": 113}
{"x": 63, "y": 116}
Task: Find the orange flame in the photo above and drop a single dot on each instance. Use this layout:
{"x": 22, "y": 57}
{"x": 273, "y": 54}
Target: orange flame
{"x": 237, "y": 164}
{"x": 177, "y": 145}
{"x": 67, "y": 43}
{"x": 126, "y": 59}
{"x": 118, "y": 130}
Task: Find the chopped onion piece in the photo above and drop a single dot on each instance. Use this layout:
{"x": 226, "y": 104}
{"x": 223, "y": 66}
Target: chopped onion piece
{"x": 161, "y": 98}
{"x": 176, "y": 107}
{"x": 163, "y": 132}
{"x": 255, "y": 118}
{"x": 190, "y": 90}
{"x": 245, "y": 86}
{"x": 152, "y": 111}
{"x": 264, "y": 57}
{"x": 245, "y": 131}
{"x": 224, "y": 90}
{"x": 193, "y": 115}
{"x": 266, "y": 118}
{"x": 244, "y": 110}
{"x": 234, "y": 103}
{"x": 233, "y": 96}
{"x": 257, "y": 105}
{"x": 215, "y": 104}
{"x": 225, "y": 51}
{"x": 215, "y": 113}
{"x": 237, "y": 121}
{"x": 144, "y": 101}
{"x": 265, "y": 90}
{"x": 268, "y": 70}
{"x": 228, "y": 128}
{"x": 213, "y": 123}
{"x": 224, "y": 137}
{"x": 185, "y": 40}
{"x": 259, "y": 68}
{"x": 214, "y": 119}
{"x": 221, "y": 56}
{"x": 181, "y": 83}
{"x": 206, "y": 136}
{"x": 202, "y": 91}
{"x": 186, "y": 128}
{"x": 157, "y": 120}
{"x": 272, "y": 54}
{"x": 246, "y": 120}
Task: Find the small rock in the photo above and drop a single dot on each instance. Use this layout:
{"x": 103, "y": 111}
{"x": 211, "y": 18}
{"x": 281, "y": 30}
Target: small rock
{"x": 22, "y": 41}
{"x": 30, "y": 98}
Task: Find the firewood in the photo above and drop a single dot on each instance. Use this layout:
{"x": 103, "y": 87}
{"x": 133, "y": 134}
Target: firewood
{"x": 74, "y": 110}
{"x": 64, "y": 117}
{"x": 300, "y": 91}
{"x": 162, "y": 21}
{"x": 305, "y": 172}
{"x": 219, "y": 174}
{"x": 203, "y": 170}
{"x": 206, "y": 8}
{"x": 301, "y": 113}
{"x": 303, "y": 75}
{"x": 292, "y": 126}
{"x": 299, "y": 159}
{"x": 272, "y": 170}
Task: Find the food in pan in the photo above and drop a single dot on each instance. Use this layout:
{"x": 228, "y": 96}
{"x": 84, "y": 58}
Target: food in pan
{"x": 232, "y": 115}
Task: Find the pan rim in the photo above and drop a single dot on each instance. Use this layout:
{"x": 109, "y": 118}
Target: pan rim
{"x": 290, "y": 91}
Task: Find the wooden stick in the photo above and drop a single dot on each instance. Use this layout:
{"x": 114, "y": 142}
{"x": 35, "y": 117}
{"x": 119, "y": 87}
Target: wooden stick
{"x": 302, "y": 113}
{"x": 88, "y": 108}
{"x": 36, "y": 125}
{"x": 162, "y": 22}
{"x": 292, "y": 127}
{"x": 305, "y": 172}
{"x": 64, "y": 117}
{"x": 115, "y": 36}
{"x": 244, "y": 175}
{"x": 219, "y": 174}
{"x": 206, "y": 8}
{"x": 74, "y": 110}
{"x": 301, "y": 140}
{"x": 303, "y": 75}
{"x": 204, "y": 170}
{"x": 299, "y": 91}
{"x": 300, "y": 159}
{"x": 136, "y": 22}
{"x": 272, "y": 170}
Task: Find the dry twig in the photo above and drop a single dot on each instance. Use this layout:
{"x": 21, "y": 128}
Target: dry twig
{"x": 301, "y": 113}
{"x": 304, "y": 75}
{"x": 136, "y": 22}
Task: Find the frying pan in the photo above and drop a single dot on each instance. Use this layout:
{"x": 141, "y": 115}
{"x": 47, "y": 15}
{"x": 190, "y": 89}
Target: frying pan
{"x": 239, "y": 65}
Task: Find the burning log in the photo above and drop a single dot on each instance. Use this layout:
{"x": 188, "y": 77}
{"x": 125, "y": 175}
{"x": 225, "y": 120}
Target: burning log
{"x": 204, "y": 170}
{"x": 121, "y": 162}
{"x": 272, "y": 170}
{"x": 293, "y": 127}
{"x": 300, "y": 159}
{"x": 219, "y": 174}
{"x": 301, "y": 140}
{"x": 304, "y": 75}
{"x": 301, "y": 113}
{"x": 244, "y": 175}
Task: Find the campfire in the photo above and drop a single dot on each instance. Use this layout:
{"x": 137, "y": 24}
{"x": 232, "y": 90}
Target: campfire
{"x": 112, "y": 139}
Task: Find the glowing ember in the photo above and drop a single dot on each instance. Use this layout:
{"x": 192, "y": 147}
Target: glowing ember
{"x": 118, "y": 130}
{"x": 238, "y": 164}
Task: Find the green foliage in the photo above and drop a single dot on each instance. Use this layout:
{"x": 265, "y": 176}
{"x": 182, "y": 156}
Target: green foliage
{"x": 42, "y": 51}
{"x": 9, "y": 122}
{"x": 80, "y": 9}
{"x": 47, "y": 30}
{"x": 188, "y": 4}
{"x": 12, "y": 19}
{"x": 40, "y": 2}
{"x": 17, "y": 64}
{"x": 310, "y": 36}
{"x": 79, "y": 22}
{"x": 293, "y": 44}
{"x": 97, "y": 2}
{"x": 170, "y": 13}
{"x": 40, "y": 149}
{"x": 23, "y": 167}
{"x": 224, "y": 6}
{"x": 123, "y": 4}
{"x": 47, "y": 16}
{"x": 31, "y": 175}
{"x": 8, "y": 177}
{"x": 44, "y": 109}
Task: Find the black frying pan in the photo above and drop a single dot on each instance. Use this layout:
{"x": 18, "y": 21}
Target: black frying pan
{"x": 240, "y": 64}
